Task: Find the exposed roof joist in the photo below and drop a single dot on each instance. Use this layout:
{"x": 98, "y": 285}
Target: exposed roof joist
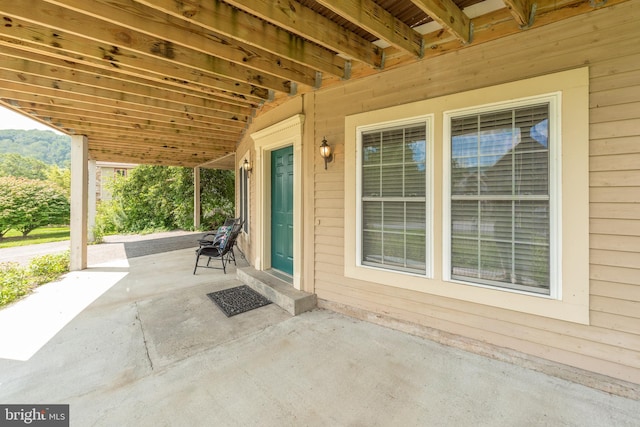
{"x": 522, "y": 11}
{"x": 299, "y": 19}
{"x": 449, "y": 15}
{"x": 368, "y": 15}
{"x": 178, "y": 82}
{"x": 224, "y": 19}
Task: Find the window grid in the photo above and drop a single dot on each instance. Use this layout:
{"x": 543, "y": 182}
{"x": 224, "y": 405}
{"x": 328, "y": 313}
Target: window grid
{"x": 518, "y": 266}
{"x": 397, "y": 242}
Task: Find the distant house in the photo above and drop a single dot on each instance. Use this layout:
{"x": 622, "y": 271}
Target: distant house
{"x": 105, "y": 172}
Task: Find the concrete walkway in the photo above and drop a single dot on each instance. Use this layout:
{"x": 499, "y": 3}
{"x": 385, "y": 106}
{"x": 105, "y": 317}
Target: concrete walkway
{"x": 153, "y": 350}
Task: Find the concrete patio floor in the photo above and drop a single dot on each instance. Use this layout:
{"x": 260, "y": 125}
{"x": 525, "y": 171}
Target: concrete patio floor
{"x": 153, "y": 350}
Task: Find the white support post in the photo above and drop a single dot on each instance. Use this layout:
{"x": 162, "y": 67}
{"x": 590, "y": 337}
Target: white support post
{"x": 93, "y": 209}
{"x": 79, "y": 201}
{"x": 196, "y": 197}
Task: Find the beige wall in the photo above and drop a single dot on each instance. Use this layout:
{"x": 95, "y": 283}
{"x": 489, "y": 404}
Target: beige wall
{"x": 605, "y": 41}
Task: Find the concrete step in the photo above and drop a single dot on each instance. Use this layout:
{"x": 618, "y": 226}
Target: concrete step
{"x": 277, "y": 290}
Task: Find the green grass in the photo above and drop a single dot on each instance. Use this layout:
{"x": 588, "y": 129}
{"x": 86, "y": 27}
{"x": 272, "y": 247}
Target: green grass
{"x": 40, "y": 235}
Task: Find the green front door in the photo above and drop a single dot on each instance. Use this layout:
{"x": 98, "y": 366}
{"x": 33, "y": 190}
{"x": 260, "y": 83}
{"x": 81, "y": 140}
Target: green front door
{"x": 282, "y": 209}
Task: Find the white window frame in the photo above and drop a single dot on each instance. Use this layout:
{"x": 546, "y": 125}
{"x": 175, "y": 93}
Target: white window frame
{"x": 414, "y": 121}
{"x": 572, "y": 303}
{"x": 555, "y": 187}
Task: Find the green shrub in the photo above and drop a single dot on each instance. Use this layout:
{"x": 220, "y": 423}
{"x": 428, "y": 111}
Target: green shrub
{"x": 13, "y": 282}
{"x": 153, "y": 198}
{"x": 46, "y": 268}
{"x": 17, "y": 281}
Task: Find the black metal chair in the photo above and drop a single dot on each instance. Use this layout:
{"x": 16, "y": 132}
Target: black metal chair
{"x": 221, "y": 248}
{"x": 210, "y": 238}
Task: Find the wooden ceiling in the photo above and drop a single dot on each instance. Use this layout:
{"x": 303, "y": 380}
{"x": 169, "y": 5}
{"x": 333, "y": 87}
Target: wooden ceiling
{"x": 176, "y": 82}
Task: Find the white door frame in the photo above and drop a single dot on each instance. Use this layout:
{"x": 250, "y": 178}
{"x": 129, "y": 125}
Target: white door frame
{"x": 285, "y": 133}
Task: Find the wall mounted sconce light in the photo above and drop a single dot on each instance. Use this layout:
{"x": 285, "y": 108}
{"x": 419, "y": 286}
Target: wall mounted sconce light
{"x": 247, "y": 166}
{"x": 325, "y": 152}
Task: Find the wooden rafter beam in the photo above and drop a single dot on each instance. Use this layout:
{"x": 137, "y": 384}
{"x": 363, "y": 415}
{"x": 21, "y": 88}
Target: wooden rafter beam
{"x": 151, "y": 157}
{"x": 521, "y": 11}
{"x": 179, "y": 118}
{"x": 224, "y": 19}
{"x": 138, "y": 17}
{"x": 449, "y": 15}
{"x": 54, "y": 63}
{"x": 368, "y": 15}
{"x": 75, "y": 49}
{"x": 89, "y": 108}
{"x": 124, "y": 142}
{"x": 195, "y": 135}
{"x": 300, "y": 20}
{"x": 66, "y": 115}
{"x": 136, "y": 43}
{"x": 66, "y": 90}
{"x": 123, "y": 139}
{"x": 96, "y": 81}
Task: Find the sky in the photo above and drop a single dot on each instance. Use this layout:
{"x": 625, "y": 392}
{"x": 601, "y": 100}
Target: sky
{"x": 12, "y": 120}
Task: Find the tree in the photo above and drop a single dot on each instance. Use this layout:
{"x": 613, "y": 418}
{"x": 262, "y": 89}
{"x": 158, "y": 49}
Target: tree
{"x": 160, "y": 197}
{"x": 12, "y": 164}
{"x": 44, "y": 145}
{"x": 217, "y": 194}
{"x": 26, "y": 204}
{"x": 61, "y": 177}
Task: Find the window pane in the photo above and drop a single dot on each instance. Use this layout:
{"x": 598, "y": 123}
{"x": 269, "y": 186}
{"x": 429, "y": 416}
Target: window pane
{"x": 496, "y": 220}
{"x": 371, "y": 145}
{"x": 416, "y": 235}
{"x": 464, "y": 257}
{"x": 393, "y": 217}
{"x": 416, "y": 252}
{"x": 371, "y": 246}
{"x": 532, "y": 173}
{"x": 416, "y": 218}
{"x": 532, "y": 222}
{"x": 464, "y": 218}
{"x": 394, "y": 249}
{"x": 498, "y": 179}
{"x": 415, "y": 180}
{"x": 392, "y": 146}
{"x": 495, "y": 261}
{"x": 532, "y": 265}
{"x": 415, "y": 162}
{"x": 372, "y": 215}
{"x": 392, "y": 180}
{"x": 500, "y": 197}
{"x": 394, "y": 189}
{"x": 371, "y": 181}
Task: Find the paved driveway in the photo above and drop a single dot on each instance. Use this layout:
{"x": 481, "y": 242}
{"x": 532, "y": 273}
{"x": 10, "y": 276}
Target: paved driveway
{"x": 113, "y": 247}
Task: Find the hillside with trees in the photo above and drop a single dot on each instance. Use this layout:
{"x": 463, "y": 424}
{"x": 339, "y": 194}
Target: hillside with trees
{"x": 44, "y": 145}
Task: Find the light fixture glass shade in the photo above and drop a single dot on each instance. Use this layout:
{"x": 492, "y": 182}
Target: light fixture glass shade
{"x": 325, "y": 149}
{"x": 247, "y": 166}
{"x": 325, "y": 152}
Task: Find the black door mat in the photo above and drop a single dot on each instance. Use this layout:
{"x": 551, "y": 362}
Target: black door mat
{"x": 237, "y": 300}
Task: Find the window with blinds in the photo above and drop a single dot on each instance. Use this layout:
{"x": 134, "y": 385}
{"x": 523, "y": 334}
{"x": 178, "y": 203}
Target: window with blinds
{"x": 500, "y": 198}
{"x": 394, "y": 198}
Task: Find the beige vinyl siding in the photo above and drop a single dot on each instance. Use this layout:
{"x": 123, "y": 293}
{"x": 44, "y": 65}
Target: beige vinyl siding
{"x": 606, "y": 41}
